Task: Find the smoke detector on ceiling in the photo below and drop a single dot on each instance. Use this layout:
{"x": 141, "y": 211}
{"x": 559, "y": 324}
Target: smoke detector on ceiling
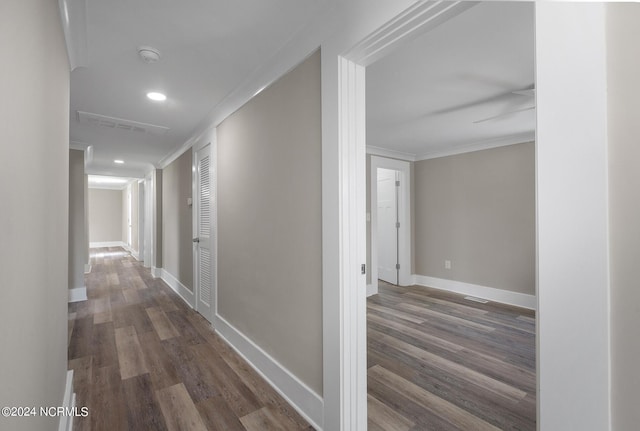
{"x": 148, "y": 54}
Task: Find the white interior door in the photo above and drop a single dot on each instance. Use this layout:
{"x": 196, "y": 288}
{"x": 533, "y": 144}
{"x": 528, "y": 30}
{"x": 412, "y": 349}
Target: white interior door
{"x": 387, "y": 228}
{"x": 204, "y": 239}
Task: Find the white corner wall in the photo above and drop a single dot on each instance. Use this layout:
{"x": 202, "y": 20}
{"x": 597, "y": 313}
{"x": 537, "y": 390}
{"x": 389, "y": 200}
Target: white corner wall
{"x": 573, "y": 278}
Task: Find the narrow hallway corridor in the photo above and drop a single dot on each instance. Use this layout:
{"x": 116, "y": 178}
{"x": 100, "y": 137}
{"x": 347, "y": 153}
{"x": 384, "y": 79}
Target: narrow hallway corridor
{"x": 143, "y": 360}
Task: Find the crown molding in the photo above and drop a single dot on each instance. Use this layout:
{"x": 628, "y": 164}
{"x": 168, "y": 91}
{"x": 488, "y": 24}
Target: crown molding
{"x": 391, "y": 154}
{"x": 167, "y": 160}
{"x": 301, "y": 45}
{"x": 73, "y": 14}
{"x": 478, "y": 146}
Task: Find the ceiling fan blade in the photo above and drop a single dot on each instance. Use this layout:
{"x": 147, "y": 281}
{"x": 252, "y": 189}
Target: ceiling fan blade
{"x": 504, "y": 114}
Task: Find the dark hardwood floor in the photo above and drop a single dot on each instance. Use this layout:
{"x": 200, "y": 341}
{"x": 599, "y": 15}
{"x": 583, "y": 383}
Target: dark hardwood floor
{"x": 439, "y": 362}
{"x": 143, "y": 360}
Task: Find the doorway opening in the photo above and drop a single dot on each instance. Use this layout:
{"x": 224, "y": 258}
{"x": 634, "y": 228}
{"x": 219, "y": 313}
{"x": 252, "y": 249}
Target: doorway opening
{"x": 389, "y": 227}
{"x": 388, "y": 182}
{"x": 404, "y": 319}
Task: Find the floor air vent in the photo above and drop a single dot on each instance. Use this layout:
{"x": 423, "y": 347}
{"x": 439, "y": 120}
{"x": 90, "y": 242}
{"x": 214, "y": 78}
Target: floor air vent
{"x": 120, "y": 124}
{"x": 474, "y": 299}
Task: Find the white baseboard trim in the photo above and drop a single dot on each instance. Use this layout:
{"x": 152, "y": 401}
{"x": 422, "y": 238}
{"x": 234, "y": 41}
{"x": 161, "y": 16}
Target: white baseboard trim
{"x": 101, "y": 244}
{"x": 87, "y": 268}
{"x": 135, "y": 255}
{"x": 78, "y": 294}
{"x": 492, "y": 294}
{"x": 68, "y": 401}
{"x": 156, "y": 272}
{"x": 182, "y": 291}
{"x": 372, "y": 289}
{"x": 299, "y": 395}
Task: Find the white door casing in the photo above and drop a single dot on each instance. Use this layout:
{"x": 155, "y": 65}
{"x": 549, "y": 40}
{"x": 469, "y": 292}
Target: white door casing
{"x": 349, "y": 412}
{"x": 204, "y": 232}
{"x": 387, "y": 228}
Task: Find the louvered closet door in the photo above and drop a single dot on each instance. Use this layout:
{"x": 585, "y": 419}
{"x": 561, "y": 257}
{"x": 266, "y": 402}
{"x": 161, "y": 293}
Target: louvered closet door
{"x": 204, "y": 250}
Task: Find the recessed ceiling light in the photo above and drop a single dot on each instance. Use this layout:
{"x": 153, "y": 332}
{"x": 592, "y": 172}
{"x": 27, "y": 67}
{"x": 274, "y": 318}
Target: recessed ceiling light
{"x": 118, "y": 161}
{"x": 158, "y": 97}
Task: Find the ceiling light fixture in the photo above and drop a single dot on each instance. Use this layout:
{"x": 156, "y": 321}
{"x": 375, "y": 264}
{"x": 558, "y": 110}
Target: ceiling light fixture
{"x": 120, "y": 162}
{"x": 148, "y": 54}
{"x": 158, "y": 97}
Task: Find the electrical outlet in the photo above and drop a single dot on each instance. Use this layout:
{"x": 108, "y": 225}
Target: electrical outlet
{"x": 447, "y": 264}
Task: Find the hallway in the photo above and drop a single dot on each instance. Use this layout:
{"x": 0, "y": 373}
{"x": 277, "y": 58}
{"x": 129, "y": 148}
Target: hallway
{"x": 143, "y": 360}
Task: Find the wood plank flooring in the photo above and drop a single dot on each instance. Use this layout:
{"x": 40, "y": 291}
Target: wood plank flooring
{"x": 143, "y": 360}
{"x": 439, "y": 362}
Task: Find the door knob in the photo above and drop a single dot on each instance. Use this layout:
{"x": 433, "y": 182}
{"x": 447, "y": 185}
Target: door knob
{"x": 196, "y": 240}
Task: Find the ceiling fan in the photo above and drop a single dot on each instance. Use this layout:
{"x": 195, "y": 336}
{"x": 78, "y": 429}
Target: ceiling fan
{"x": 531, "y": 93}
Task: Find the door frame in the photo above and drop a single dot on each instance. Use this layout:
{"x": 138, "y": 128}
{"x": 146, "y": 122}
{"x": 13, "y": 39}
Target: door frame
{"x": 404, "y": 217}
{"x": 348, "y": 409}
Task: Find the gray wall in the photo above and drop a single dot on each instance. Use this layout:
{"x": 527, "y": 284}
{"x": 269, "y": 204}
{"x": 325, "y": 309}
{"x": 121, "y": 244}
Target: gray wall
{"x": 77, "y": 239}
{"x": 478, "y": 210}
{"x": 34, "y": 188}
{"x": 269, "y": 221}
{"x": 177, "y": 248}
{"x": 623, "y": 70}
{"x": 105, "y": 215}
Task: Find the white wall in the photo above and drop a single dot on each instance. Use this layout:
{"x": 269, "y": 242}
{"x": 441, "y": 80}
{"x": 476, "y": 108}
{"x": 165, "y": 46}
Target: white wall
{"x": 573, "y": 278}
{"x": 623, "y": 36}
{"x": 34, "y": 188}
